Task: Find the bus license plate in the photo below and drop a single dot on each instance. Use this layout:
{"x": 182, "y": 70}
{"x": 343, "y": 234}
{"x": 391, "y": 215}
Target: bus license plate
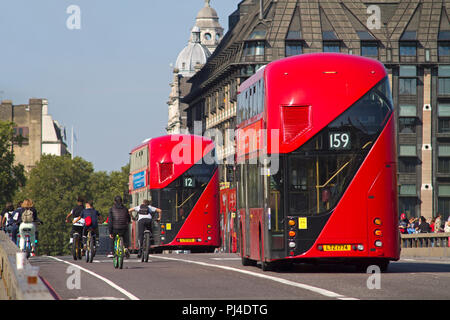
{"x": 187, "y": 240}
{"x": 337, "y": 247}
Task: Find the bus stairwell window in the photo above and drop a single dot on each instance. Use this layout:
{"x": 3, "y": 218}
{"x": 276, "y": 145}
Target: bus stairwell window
{"x": 165, "y": 171}
{"x": 296, "y": 120}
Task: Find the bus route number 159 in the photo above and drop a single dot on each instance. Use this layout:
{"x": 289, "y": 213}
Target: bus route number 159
{"x": 339, "y": 141}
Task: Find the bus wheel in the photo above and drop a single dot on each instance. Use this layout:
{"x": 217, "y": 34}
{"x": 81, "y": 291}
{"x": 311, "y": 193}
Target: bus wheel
{"x": 265, "y": 266}
{"x": 384, "y": 265}
{"x": 246, "y": 262}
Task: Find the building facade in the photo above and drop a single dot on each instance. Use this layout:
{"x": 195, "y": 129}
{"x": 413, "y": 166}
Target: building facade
{"x": 410, "y": 37}
{"x": 205, "y": 36}
{"x": 42, "y": 134}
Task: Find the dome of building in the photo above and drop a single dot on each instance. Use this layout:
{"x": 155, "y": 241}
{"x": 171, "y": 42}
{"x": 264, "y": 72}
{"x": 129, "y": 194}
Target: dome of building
{"x": 207, "y": 17}
{"x": 193, "y": 55}
{"x": 207, "y": 12}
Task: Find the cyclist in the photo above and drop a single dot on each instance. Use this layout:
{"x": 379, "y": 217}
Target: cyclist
{"x": 26, "y": 222}
{"x": 91, "y": 217}
{"x": 75, "y": 213}
{"x": 144, "y": 220}
{"x": 118, "y": 221}
{"x": 7, "y": 215}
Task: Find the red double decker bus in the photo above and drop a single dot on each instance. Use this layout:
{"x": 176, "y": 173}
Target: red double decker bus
{"x": 178, "y": 174}
{"x": 329, "y": 192}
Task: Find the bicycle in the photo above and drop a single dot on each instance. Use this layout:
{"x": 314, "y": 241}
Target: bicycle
{"x": 27, "y": 248}
{"x": 90, "y": 246}
{"x": 145, "y": 250}
{"x": 77, "y": 246}
{"x": 119, "y": 252}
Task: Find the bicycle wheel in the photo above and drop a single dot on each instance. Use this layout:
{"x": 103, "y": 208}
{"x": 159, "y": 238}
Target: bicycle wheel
{"x": 116, "y": 252}
{"x": 91, "y": 250}
{"x": 80, "y": 249}
{"x": 121, "y": 252}
{"x": 75, "y": 245}
{"x": 88, "y": 247}
{"x": 146, "y": 246}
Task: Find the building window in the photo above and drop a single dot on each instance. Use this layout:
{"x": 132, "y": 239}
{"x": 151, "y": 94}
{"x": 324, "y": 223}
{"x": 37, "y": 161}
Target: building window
{"x": 331, "y": 46}
{"x": 444, "y": 117}
{"x": 408, "y": 49}
{"x": 408, "y": 205}
{"x": 407, "y": 165}
{"x": 407, "y": 118}
{"x": 369, "y": 49}
{"x": 408, "y": 151}
{"x": 407, "y": 125}
{"x": 408, "y": 190}
{"x": 444, "y": 49}
{"x": 21, "y": 135}
{"x": 294, "y": 48}
{"x": 408, "y": 80}
{"x": 444, "y": 200}
{"x": 444, "y": 158}
{"x": 254, "y": 48}
{"x": 444, "y": 80}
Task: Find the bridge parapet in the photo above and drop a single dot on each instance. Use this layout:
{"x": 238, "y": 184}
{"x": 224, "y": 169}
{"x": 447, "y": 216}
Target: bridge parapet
{"x": 426, "y": 245}
{"x": 16, "y": 282}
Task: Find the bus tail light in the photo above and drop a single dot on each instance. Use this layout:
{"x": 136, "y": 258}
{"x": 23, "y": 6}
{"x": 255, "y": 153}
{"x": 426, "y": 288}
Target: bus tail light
{"x": 377, "y": 221}
{"x": 291, "y": 234}
{"x": 291, "y": 223}
{"x": 291, "y": 244}
{"x": 320, "y": 247}
{"x": 378, "y": 244}
{"x": 360, "y": 247}
{"x": 378, "y": 233}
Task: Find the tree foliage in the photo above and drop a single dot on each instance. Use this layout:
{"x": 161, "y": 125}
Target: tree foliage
{"x": 12, "y": 176}
{"x": 54, "y": 186}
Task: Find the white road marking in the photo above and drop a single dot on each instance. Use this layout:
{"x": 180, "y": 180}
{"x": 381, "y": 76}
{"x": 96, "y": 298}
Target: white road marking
{"x": 224, "y": 259}
{"x": 98, "y": 298}
{"x": 112, "y": 284}
{"x": 320, "y": 291}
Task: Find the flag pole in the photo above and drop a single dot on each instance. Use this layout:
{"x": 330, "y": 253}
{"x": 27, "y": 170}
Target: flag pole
{"x": 71, "y": 141}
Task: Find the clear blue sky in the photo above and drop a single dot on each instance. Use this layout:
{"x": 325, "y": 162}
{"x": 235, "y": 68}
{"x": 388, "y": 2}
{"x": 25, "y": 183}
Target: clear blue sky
{"x": 110, "y": 79}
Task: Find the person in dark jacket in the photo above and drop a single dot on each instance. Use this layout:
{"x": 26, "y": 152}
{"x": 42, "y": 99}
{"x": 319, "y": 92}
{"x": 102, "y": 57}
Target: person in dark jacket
{"x": 118, "y": 221}
{"x": 424, "y": 226}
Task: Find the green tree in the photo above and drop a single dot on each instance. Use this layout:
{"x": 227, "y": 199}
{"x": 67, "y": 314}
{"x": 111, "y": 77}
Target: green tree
{"x": 54, "y": 185}
{"x": 104, "y": 187}
{"x": 12, "y": 176}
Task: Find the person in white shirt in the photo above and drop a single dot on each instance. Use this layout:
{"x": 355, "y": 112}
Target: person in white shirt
{"x": 144, "y": 219}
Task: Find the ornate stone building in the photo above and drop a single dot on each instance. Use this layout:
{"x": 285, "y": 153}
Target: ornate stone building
{"x": 205, "y": 37}
{"x": 411, "y": 38}
{"x": 42, "y": 134}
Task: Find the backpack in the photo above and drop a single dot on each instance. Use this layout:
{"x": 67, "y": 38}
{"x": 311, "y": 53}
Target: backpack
{"x": 27, "y": 216}
{"x": 9, "y": 218}
{"x": 143, "y": 211}
{"x": 88, "y": 221}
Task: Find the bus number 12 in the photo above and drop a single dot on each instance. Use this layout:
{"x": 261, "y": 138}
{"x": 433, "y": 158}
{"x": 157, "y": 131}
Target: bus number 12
{"x": 189, "y": 182}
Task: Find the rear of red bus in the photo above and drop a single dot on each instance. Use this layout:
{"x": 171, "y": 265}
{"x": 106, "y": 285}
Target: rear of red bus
{"x": 332, "y": 194}
{"x": 184, "y": 184}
